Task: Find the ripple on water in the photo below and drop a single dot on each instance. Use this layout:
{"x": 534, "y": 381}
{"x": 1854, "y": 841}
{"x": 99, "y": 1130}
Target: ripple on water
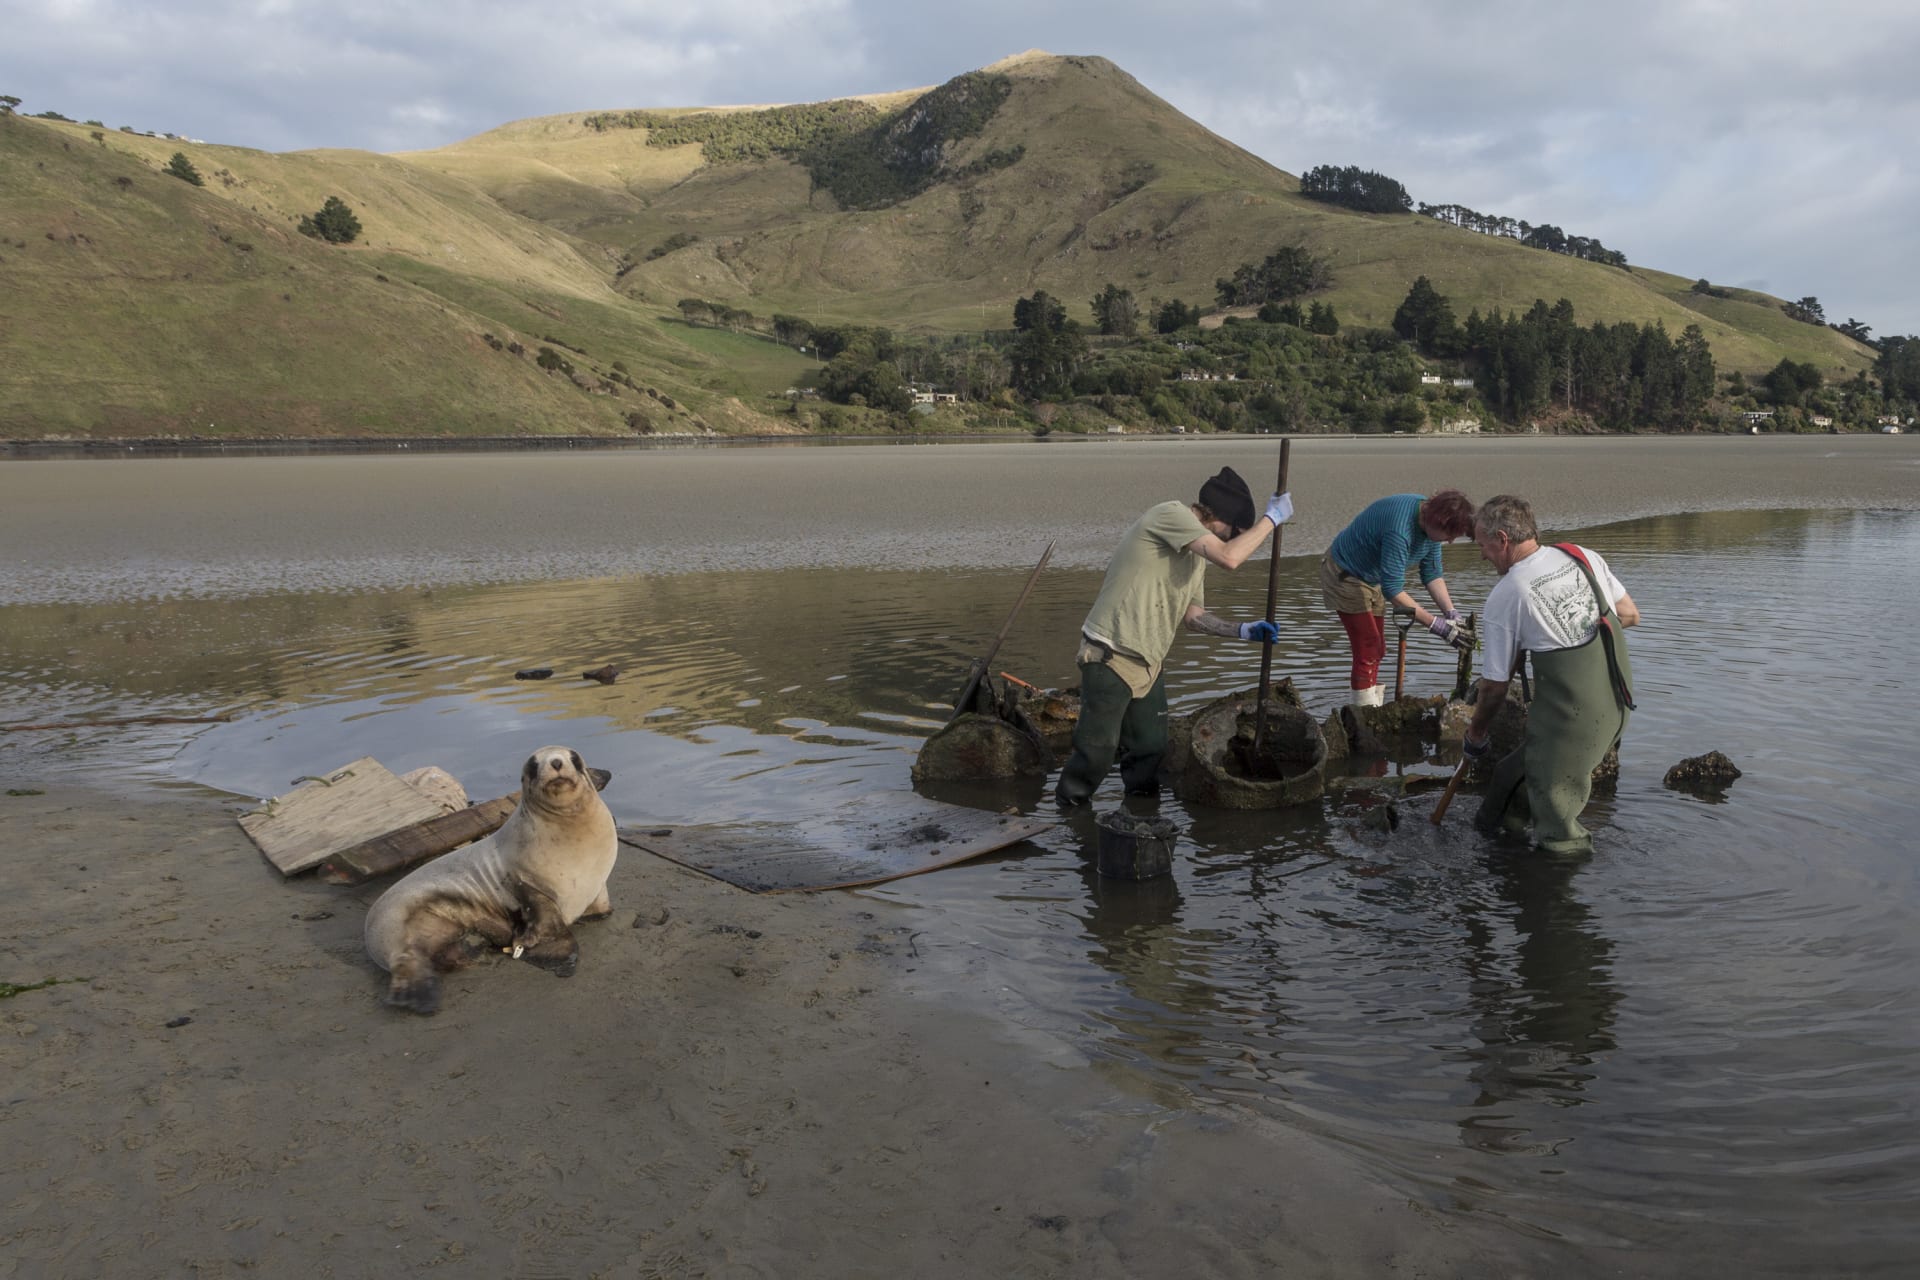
{"x": 1707, "y": 1027}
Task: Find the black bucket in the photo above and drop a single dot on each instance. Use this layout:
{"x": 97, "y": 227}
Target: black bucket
{"x": 1135, "y": 848}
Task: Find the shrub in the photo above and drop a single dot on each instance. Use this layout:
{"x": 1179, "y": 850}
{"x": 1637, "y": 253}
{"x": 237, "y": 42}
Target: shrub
{"x": 334, "y": 223}
{"x": 182, "y": 168}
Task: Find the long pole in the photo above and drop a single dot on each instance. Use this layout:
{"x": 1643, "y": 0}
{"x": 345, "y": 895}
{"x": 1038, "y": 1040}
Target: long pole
{"x": 1273, "y": 589}
{"x": 980, "y": 668}
{"x": 1400, "y": 672}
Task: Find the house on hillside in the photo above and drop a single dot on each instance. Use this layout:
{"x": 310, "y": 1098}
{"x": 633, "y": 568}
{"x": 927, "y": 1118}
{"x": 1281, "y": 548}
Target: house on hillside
{"x": 1463, "y": 382}
{"x": 1431, "y": 379}
{"x": 1821, "y": 420}
{"x": 1757, "y": 417}
{"x": 1892, "y": 429}
{"x": 1453, "y": 427}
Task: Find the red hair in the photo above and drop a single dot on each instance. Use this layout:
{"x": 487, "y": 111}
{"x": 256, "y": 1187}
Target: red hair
{"x": 1449, "y": 511}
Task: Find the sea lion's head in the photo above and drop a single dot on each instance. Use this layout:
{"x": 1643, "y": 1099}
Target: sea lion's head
{"x": 556, "y": 777}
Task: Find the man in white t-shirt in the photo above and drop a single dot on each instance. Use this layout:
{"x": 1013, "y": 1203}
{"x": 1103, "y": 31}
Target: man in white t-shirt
{"x": 1155, "y": 585}
{"x": 1565, "y": 610}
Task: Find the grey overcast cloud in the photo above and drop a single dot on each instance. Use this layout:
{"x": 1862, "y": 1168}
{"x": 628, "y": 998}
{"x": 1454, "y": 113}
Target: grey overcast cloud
{"x": 1763, "y": 143}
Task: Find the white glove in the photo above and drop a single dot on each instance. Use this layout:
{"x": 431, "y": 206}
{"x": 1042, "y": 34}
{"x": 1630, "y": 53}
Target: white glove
{"x": 1280, "y": 508}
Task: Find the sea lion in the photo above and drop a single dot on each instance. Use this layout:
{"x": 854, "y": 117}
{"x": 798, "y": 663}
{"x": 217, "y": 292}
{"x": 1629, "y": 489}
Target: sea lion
{"x": 520, "y": 889}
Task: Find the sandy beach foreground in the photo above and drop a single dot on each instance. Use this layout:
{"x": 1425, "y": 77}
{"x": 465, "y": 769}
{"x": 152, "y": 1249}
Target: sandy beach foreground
{"x": 732, "y": 1085}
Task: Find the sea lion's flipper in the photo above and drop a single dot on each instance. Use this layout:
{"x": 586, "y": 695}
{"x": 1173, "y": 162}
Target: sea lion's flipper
{"x": 415, "y": 984}
{"x": 560, "y": 957}
{"x": 544, "y": 935}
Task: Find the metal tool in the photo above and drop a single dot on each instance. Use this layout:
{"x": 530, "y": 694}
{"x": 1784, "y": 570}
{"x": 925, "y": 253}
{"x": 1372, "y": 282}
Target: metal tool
{"x": 980, "y": 667}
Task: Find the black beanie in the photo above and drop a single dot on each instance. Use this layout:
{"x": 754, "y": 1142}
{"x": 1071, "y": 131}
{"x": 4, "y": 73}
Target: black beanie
{"x": 1227, "y": 496}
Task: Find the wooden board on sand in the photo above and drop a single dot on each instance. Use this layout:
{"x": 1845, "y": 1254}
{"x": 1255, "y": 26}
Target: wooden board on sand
{"x": 333, "y": 811}
{"x": 874, "y": 839}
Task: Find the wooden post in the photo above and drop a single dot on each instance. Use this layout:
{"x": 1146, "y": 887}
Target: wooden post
{"x": 1453, "y": 785}
{"x": 1273, "y": 586}
{"x": 1400, "y": 671}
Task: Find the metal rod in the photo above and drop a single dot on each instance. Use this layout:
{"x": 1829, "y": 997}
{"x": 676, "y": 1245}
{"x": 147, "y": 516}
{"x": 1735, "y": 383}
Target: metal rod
{"x": 1273, "y": 587}
{"x": 980, "y": 668}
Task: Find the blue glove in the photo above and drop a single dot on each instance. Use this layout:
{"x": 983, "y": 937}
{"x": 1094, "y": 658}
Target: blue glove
{"x": 1279, "y": 508}
{"x": 1263, "y": 631}
{"x": 1453, "y": 633}
{"x": 1476, "y": 750}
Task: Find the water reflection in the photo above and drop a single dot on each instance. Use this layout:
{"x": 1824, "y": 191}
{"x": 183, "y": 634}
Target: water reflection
{"x": 1707, "y": 1027}
{"x": 1540, "y": 985}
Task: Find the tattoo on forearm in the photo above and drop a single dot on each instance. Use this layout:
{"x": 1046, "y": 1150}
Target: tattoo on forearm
{"x": 1208, "y": 624}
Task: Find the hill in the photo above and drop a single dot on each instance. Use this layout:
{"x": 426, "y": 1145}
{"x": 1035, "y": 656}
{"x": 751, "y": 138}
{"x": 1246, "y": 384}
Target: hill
{"x": 134, "y": 303}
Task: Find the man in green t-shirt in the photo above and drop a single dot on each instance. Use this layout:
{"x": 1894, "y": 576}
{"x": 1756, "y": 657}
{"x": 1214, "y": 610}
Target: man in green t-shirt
{"x": 1155, "y": 584}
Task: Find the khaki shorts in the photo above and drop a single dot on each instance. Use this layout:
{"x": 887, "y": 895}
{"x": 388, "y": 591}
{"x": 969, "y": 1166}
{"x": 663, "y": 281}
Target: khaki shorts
{"x": 1345, "y": 593}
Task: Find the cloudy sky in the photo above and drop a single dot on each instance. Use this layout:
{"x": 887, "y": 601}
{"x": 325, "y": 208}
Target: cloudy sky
{"x": 1767, "y": 143}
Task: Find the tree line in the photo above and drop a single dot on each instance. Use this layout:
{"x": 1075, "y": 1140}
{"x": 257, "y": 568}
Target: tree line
{"x": 1621, "y": 375}
{"x": 1544, "y": 236}
{"x": 1352, "y": 187}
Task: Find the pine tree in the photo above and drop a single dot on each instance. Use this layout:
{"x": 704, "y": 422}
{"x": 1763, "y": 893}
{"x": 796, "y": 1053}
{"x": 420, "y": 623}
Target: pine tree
{"x": 182, "y": 168}
{"x": 334, "y": 223}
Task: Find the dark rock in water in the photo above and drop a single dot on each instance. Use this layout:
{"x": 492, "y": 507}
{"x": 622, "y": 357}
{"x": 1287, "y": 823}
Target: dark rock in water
{"x": 975, "y": 746}
{"x": 1709, "y": 770}
{"x": 1384, "y": 817}
{"x": 533, "y": 673}
{"x": 605, "y": 675}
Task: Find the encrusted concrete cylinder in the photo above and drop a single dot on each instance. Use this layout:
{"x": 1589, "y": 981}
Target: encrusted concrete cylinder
{"x": 1219, "y": 768}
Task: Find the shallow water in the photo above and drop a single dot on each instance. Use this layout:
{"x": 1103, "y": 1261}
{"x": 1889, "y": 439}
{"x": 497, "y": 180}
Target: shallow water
{"x": 1702, "y": 1037}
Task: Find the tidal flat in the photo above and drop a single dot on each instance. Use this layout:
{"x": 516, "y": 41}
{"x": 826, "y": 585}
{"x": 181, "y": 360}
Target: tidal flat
{"x": 1322, "y": 1044}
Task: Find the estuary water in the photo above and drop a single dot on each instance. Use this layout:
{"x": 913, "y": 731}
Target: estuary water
{"x": 1701, "y": 1040}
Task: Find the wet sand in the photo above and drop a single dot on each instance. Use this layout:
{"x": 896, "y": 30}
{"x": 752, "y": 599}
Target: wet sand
{"x": 242, "y": 526}
{"x": 698, "y": 1100}
{"x": 731, "y": 1086}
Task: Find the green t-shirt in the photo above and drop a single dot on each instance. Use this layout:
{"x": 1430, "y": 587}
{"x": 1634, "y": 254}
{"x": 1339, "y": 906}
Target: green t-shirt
{"x": 1151, "y": 581}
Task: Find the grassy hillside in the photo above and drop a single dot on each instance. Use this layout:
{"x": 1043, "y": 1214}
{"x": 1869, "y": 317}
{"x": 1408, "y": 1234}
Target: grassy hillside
{"x": 132, "y": 303}
{"x": 1114, "y": 185}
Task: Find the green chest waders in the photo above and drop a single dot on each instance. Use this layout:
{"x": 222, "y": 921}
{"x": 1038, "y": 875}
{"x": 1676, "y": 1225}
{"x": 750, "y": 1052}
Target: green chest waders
{"x": 1581, "y": 700}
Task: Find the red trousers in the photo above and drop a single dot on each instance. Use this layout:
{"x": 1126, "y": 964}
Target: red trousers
{"x": 1368, "y": 636}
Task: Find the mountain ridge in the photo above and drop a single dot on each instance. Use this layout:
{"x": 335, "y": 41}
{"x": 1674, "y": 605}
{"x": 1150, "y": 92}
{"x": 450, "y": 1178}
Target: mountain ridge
{"x": 547, "y": 232}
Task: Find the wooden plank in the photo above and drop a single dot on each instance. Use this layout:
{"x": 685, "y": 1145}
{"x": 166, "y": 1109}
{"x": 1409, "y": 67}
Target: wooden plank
{"x": 412, "y": 845}
{"x": 870, "y": 841}
{"x": 339, "y": 809}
